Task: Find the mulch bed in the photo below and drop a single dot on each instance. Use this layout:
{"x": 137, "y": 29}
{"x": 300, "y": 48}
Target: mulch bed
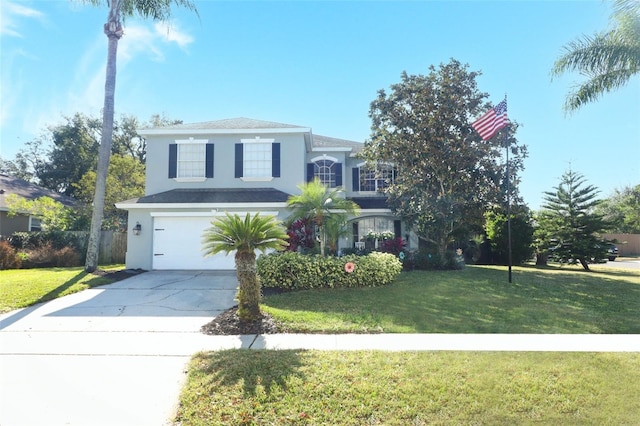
{"x": 228, "y": 323}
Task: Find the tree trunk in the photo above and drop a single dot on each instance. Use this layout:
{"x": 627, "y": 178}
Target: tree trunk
{"x": 541, "y": 258}
{"x": 249, "y": 290}
{"x": 113, "y": 30}
{"x": 584, "y": 264}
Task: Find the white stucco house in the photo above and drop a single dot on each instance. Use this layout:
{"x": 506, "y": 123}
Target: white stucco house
{"x": 198, "y": 171}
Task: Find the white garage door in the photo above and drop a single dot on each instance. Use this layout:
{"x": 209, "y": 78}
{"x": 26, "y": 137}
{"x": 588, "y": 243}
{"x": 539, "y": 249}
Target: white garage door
{"x": 177, "y": 244}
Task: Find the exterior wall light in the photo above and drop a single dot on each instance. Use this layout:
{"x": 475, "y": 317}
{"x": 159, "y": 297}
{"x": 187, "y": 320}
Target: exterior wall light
{"x": 136, "y": 229}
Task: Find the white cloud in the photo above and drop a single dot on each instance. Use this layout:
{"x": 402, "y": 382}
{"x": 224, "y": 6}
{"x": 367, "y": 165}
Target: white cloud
{"x": 139, "y": 40}
{"x": 11, "y": 13}
{"x": 171, "y": 33}
{"x": 85, "y": 89}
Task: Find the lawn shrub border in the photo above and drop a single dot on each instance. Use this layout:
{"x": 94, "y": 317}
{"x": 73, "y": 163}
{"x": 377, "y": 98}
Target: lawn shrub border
{"x": 295, "y": 271}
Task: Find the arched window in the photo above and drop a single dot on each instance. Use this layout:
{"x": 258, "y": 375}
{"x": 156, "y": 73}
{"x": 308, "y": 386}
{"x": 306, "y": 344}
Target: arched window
{"x": 327, "y": 169}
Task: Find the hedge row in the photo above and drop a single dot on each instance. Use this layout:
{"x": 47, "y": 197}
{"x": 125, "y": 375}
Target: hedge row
{"x": 290, "y": 270}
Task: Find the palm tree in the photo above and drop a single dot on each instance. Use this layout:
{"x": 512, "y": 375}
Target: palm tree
{"x": 608, "y": 59}
{"x": 317, "y": 202}
{"x": 158, "y": 10}
{"x": 245, "y": 236}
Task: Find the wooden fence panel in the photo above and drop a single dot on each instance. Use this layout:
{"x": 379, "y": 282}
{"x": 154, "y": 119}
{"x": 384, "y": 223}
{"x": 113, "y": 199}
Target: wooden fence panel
{"x": 113, "y": 246}
{"x": 628, "y": 244}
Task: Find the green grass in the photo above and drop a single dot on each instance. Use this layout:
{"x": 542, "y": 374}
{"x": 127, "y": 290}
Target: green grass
{"x": 20, "y": 288}
{"x": 477, "y": 299}
{"x": 243, "y": 387}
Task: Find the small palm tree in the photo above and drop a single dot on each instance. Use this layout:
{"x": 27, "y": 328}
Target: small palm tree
{"x": 245, "y": 236}
{"x": 608, "y": 59}
{"x": 317, "y": 202}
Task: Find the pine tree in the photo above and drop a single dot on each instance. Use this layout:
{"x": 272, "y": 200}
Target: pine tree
{"x": 568, "y": 223}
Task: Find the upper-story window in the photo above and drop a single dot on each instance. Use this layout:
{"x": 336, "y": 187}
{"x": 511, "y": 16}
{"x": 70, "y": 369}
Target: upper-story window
{"x": 257, "y": 159}
{"x": 327, "y": 169}
{"x": 367, "y": 179}
{"x": 191, "y": 159}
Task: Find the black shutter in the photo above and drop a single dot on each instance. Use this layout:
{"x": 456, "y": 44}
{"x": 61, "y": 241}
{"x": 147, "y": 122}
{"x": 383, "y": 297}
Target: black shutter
{"x": 355, "y": 184}
{"x": 209, "y": 161}
{"x": 338, "y": 170}
{"x": 275, "y": 159}
{"x": 310, "y": 171}
{"x": 173, "y": 160}
{"x": 239, "y": 160}
{"x": 397, "y": 229}
{"x": 354, "y": 228}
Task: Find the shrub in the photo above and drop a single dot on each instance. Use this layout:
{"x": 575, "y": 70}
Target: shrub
{"x": 33, "y": 240}
{"x": 393, "y": 245}
{"x": 46, "y": 256}
{"x": 429, "y": 260}
{"x": 291, "y": 270}
{"x": 65, "y": 257}
{"x": 9, "y": 259}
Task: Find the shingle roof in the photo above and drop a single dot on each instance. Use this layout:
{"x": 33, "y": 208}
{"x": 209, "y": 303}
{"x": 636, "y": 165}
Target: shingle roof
{"x": 328, "y": 142}
{"x": 239, "y": 123}
{"x": 30, "y": 191}
{"x": 196, "y": 196}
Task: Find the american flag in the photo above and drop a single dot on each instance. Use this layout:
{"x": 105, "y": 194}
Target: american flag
{"x": 495, "y": 119}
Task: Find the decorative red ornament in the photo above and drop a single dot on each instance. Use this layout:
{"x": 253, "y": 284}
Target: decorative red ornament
{"x": 349, "y": 267}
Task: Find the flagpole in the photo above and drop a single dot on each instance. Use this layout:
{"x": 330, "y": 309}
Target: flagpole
{"x": 506, "y": 144}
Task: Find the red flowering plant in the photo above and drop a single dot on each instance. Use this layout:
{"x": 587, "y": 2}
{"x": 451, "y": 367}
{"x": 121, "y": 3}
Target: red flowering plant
{"x": 301, "y": 235}
{"x": 393, "y": 246}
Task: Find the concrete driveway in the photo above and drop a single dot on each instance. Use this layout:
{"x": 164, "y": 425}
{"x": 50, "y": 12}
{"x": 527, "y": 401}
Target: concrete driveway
{"x": 112, "y": 355}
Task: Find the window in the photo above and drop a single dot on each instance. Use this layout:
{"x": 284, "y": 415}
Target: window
{"x": 191, "y": 159}
{"x": 327, "y": 169}
{"x": 375, "y": 226}
{"x": 35, "y": 224}
{"x": 257, "y": 159}
{"x": 372, "y": 180}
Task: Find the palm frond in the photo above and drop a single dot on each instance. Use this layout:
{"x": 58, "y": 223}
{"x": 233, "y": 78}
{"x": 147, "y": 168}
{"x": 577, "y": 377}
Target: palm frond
{"x": 233, "y": 233}
{"x": 608, "y": 60}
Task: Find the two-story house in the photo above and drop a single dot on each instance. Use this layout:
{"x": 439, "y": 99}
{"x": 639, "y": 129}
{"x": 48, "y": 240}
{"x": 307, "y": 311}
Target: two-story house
{"x": 198, "y": 171}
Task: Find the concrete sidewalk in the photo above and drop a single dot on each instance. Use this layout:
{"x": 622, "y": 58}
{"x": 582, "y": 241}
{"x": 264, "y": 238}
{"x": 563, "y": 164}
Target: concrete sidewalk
{"x": 116, "y": 355}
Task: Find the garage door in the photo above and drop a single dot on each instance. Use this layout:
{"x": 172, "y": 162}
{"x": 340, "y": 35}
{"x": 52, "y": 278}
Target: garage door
{"x": 177, "y": 244}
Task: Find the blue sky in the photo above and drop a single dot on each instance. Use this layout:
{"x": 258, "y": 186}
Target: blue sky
{"x": 320, "y": 64}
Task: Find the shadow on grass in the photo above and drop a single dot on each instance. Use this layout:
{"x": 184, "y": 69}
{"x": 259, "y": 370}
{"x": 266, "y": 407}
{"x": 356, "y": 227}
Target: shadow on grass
{"x": 256, "y": 371}
{"x": 51, "y": 295}
{"x": 480, "y": 300}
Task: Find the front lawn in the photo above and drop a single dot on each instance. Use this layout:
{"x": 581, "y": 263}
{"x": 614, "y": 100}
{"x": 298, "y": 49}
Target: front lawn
{"x": 477, "y": 299}
{"x": 20, "y": 288}
{"x": 244, "y": 387}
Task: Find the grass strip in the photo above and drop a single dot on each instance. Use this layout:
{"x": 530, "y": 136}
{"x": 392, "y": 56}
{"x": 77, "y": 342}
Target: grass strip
{"x": 243, "y": 387}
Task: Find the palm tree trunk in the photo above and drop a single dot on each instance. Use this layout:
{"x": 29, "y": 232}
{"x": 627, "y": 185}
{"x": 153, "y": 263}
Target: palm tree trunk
{"x": 249, "y": 289}
{"x": 113, "y": 30}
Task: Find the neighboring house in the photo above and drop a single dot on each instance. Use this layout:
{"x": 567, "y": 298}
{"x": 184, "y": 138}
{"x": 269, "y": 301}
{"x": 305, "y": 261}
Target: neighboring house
{"x": 196, "y": 172}
{"x": 22, "y": 188}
